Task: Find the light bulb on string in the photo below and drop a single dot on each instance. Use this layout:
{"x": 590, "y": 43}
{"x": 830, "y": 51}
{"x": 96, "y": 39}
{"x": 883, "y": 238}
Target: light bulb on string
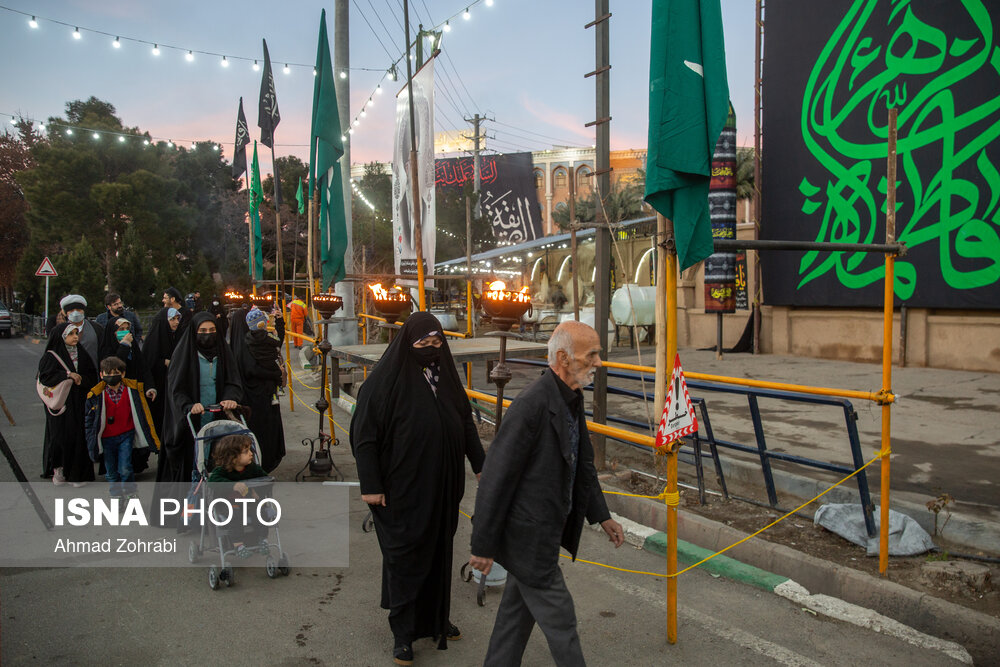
{"x": 447, "y": 26}
{"x": 225, "y": 62}
{"x": 286, "y": 69}
{"x": 343, "y": 74}
{"x": 193, "y": 146}
{"x": 190, "y": 56}
{"x": 343, "y": 138}
{"x": 489, "y": 3}
{"x": 371, "y": 102}
{"x": 33, "y": 23}
{"x": 13, "y": 121}
{"x": 356, "y": 122}
{"x": 363, "y": 113}
{"x": 76, "y": 34}
{"x": 315, "y": 72}
{"x": 69, "y": 130}
{"x": 215, "y": 147}
{"x": 466, "y": 15}
{"x": 145, "y": 142}
{"x": 156, "y": 49}
{"x": 121, "y": 139}
{"x": 256, "y": 67}
{"x": 117, "y": 43}
{"x": 96, "y": 135}
{"x": 378, "y": 91}
{"x": 170, "y": 144}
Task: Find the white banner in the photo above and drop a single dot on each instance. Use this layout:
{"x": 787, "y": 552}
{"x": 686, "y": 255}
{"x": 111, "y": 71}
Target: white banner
{"x": 402, "y": 190}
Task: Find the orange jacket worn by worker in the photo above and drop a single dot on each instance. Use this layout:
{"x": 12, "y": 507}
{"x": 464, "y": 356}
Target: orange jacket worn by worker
{"x": 296, "y": 319}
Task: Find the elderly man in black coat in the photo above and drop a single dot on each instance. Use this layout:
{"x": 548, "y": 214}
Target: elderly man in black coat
{"x": 538, "y": 484}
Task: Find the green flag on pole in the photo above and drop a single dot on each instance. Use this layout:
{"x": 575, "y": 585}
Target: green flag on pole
{"x": 325, "y": 149}
{"x": 688, "y": 105}
{"x": 299, "y": 198}
{"x": 256, "y": 197}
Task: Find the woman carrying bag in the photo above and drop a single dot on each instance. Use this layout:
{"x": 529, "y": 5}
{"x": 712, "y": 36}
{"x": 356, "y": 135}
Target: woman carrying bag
{"x": 67, "y": 455}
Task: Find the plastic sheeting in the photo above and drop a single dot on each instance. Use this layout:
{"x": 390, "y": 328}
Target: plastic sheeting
{"x": 906, "y": 537}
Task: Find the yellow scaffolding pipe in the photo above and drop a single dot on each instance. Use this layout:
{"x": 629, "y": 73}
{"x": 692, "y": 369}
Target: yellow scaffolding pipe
{"x": 382, "y": 319}
{"x": 877, "y": 397}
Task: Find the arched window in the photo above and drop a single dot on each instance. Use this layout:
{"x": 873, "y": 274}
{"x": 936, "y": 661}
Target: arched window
{"x": 560, "y": 178}
{"x": 583, "y": 178}
{"x": 539, "y": 179}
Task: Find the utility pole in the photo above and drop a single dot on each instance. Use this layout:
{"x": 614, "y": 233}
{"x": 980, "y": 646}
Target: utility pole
{"x": 476, "y": 168}
{"x": 344, "y": 332}
{"x": 415, "y": 214}
{"x": 602, "y": 177}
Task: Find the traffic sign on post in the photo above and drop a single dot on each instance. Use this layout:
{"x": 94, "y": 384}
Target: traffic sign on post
{"x": 46, "y": 269}
{"x": 678, "y": 417}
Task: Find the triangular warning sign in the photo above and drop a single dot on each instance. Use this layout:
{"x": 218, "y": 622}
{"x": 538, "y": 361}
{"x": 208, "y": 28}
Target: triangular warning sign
{"x": 678, "y": 417}
{"x": 46, "y": 268}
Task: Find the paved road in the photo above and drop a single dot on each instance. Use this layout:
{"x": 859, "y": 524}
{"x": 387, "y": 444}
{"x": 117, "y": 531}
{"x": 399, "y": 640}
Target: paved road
{"x": 83, "y": 616}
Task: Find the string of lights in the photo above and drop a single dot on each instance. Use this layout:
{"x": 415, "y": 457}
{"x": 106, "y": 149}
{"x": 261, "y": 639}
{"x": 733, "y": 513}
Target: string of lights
{"x": 157, "y": 48}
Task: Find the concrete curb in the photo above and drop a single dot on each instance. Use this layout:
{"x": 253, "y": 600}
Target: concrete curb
{"x": 968, "y": 531}
{"x": 840, "y": 592}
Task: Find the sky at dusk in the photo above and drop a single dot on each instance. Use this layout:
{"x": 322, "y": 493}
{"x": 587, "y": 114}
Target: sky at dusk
{"x": 520, "y": 62}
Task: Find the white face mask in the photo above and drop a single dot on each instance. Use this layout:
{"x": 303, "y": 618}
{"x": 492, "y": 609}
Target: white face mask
{"x": 75, "y": 316}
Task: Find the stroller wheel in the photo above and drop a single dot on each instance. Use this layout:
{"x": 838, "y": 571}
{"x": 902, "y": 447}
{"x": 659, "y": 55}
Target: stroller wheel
{"x": 193, "y": 552}
{"x": 213, "y": 578}
{"x": 283, "y": 565}
{"x": 271, "y": 567}
{"x": 228, "y": 575}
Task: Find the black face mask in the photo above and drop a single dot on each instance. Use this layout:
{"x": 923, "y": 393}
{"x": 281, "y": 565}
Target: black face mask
{"x": 206, "y": 341}
{"x": 112, "y": 380}
{"x": 427, "y": 355}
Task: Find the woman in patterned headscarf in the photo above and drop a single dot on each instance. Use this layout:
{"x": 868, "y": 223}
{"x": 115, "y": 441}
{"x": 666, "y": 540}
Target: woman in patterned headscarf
{"x": 67, "y": 452}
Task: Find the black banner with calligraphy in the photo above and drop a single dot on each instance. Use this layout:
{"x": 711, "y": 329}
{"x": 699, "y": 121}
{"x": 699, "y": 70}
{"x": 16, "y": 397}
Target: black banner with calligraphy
{"x": 507, "y": 191}
{"x": 839, "y": 65}
{"x": 720, "y": 267}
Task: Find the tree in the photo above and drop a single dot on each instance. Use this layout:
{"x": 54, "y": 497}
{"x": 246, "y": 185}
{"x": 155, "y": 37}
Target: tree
{"x": 132, "y": 274}
{"x": 744, "y": 173}
{"x": 79, "y": 273}
{"x": 372, "y": 227}
{"x": 15, "y": 156}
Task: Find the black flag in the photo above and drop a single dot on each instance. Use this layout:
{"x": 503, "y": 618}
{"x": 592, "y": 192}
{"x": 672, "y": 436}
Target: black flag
{"x": 267, "y": 115}
{"x": 242, "y": 139}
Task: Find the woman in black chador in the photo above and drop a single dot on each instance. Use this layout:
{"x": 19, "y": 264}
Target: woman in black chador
{"x": 202, "y": 372}
{"x": 157, "y": 351}
{"x": 67, "y": 455}
{"x": 412, "y": 430}
{"x": 260, "y": 366}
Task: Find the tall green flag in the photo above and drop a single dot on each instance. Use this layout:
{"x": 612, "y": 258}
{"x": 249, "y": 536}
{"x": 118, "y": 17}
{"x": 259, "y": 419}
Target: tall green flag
{"x": 325, "y": 149}
{"x": 688, "y": 105}
{"x": 299, "y": 198}
{"x": 256, "y": 197}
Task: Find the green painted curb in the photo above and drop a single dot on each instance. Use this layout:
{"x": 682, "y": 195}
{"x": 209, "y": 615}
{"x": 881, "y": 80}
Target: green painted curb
{"x": 689, "y": 554}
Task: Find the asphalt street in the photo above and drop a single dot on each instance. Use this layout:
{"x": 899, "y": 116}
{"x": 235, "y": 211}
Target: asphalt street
{"x": 160, "y": 616}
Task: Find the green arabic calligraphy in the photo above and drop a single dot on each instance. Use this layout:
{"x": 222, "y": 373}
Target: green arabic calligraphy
{"x": 943, "y": 80}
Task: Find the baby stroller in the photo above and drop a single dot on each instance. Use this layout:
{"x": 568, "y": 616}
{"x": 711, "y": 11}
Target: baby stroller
{"x": 232, "y": 539}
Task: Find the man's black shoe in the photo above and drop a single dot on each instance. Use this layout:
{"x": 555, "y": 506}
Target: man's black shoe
{"x": 402, "y": 654}
{"x": 453, "y": 632}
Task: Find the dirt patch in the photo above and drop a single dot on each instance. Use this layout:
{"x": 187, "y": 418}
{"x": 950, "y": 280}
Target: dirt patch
{"x": 798, "y": 532}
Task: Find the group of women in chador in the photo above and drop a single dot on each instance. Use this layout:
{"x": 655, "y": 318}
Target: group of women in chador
{"x": 185, "y": 364}
{"x": 411, "y": 433}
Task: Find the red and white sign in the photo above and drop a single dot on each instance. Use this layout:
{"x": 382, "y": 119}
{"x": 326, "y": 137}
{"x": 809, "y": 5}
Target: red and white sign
{"x": 678, "y": 417}
{"x": 46, "y": 269}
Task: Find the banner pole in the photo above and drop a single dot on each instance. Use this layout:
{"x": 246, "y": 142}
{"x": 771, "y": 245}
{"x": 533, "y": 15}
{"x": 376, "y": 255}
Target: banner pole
{"x": 887, "y": 307}
{"x": 672, "y": 500}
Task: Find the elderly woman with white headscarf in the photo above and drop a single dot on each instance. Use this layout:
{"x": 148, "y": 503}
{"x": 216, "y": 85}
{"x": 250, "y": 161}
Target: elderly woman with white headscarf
{"x": 64, "y": 357}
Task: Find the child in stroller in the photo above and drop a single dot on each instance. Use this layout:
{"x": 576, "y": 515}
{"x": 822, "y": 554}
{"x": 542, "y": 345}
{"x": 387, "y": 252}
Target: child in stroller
{"x": 232, "y": 449}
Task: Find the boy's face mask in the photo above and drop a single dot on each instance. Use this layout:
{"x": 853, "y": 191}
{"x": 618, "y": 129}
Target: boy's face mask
{"x": 112, "y": 380}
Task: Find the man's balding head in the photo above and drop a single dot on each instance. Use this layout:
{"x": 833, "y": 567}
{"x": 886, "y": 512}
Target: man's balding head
{"x": 574, "y": 353}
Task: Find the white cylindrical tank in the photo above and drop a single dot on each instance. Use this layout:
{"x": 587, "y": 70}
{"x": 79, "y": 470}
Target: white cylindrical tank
{"x": 447, "y": 319}
{"x": 643, "y": 302}
{"x": 587, "y": 317}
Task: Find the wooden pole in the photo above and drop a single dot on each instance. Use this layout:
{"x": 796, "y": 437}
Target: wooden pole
{"x": 470, "y": 315}
{"x": 414, "y": 175}
{"x": 572, "y": 245}
{"x": 890, "y": 237}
